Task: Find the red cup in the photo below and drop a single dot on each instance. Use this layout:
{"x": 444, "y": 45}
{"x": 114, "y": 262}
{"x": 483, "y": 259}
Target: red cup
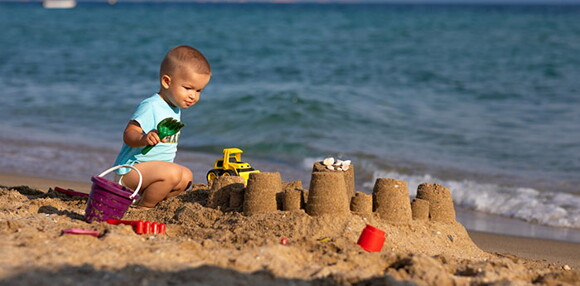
{"x": 371, "y": 239}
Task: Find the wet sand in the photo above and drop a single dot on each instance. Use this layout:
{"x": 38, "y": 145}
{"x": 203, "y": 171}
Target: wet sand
{"x": 552, "y": 251}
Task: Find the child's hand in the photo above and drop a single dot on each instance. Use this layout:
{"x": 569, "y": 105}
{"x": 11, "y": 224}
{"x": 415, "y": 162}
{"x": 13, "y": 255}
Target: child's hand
{"x": 134, "y": 137}
{"x": 152, "y": 138}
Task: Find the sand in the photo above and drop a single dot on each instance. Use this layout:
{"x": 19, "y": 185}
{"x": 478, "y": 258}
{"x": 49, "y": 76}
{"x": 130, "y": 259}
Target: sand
{"x": 208, "y": 246}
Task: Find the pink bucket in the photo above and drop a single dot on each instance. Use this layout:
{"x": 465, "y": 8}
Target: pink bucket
{"x": 109, "y": 200}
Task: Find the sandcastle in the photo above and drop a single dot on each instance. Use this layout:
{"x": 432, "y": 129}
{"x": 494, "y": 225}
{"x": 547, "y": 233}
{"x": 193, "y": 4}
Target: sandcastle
{"x": 344, "y": 168}
{"x": 440, "y": 201}
{"x": 331, "y": 192}
{"x": 225, "y": 192}
{"x": 260, "y": 195}
{"x": 327, "y": 194}
{"x": 420, "y": 209}
{"x": 293, "y": 198}
{"x": 362, "y": 204}
{"x": 391, "y": 200}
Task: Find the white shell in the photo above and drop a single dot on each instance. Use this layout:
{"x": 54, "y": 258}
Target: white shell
{"x": 328, "y": 161}
{"x": 346, "y": 163}
{"x": 338, "y": 162}
{"x": 330, "y": 167}
{"x": 339, "y": 168}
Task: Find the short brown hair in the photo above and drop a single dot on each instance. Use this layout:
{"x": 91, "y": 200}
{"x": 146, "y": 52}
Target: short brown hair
{"x": 182, "y": 55}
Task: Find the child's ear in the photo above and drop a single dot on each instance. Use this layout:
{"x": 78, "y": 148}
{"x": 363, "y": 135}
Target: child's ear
{"x": 165, "y": 81}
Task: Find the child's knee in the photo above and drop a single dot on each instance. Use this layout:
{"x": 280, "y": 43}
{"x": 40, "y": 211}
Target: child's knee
{"x": 186, "y": 179}
{"x": 187, "y": 175}
{"x": 181, "y": 178}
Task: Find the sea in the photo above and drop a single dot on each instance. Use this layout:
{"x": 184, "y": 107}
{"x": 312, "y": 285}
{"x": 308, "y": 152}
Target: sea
{"x": 483, "y": 99}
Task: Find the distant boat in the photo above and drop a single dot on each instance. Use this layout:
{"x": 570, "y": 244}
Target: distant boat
{"x": 59, "y": 4}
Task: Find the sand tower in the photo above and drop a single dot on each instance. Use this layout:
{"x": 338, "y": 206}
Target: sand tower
{"x": 222, "y": 190}
{"x": 327, "y": 194}
{"x": 440, "y": 201}
{"x": 391, "y": 200}
{"x": 237, "y": 199}
{"x": 362, "y": 204}
{"x": 348, "y": 176}
{"x": 305, "y": 194}
{"x": 420, "y": 209}
{"x": 293, "y": 196}
{"x": 260, "y": 195}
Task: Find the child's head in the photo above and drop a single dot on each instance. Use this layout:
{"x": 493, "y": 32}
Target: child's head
{"x": 184, "y": 73}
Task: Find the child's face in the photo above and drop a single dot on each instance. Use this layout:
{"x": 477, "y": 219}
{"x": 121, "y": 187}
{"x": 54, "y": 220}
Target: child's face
{"x": 183, "y": 89}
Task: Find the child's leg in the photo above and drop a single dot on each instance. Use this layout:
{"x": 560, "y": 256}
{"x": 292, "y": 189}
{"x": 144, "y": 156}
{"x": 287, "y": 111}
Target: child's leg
{"x": 161, "y": 180}
{"x": 185, "y": 183}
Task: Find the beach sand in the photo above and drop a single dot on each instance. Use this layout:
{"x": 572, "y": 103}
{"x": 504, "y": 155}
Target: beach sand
{"x": 208, "y": 246}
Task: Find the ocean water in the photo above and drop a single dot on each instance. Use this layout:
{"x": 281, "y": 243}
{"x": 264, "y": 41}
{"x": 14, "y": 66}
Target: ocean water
{"x": 481, "y": 99}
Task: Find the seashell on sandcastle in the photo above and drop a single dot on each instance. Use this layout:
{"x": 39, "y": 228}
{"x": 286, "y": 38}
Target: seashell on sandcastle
{"x": 331, "y": 192}
{"x": 344, "y": 168}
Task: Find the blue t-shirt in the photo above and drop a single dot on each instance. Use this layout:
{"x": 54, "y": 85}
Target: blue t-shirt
{"x": 149, "y": 113}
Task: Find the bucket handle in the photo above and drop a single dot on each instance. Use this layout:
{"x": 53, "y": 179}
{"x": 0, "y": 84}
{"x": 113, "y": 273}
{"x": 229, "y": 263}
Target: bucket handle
{"x": 126, "y": 166}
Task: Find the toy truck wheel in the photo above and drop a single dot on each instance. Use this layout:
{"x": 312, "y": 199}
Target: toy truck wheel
{"x": 228, "y": 173}
{"x": 211, "y": 176}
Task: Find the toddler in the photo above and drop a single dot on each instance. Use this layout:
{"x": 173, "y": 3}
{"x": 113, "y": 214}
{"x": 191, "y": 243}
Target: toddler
{"x": 184, "y": 73}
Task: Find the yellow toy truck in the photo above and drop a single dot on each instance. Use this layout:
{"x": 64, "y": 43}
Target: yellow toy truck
{"x": 230, "y": 165}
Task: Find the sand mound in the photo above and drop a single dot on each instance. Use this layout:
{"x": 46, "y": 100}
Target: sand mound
{"x": 209, "y": 246}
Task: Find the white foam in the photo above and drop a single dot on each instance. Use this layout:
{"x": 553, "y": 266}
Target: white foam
{"x": 307, "y": 163}
{"x": 548, "y": 208}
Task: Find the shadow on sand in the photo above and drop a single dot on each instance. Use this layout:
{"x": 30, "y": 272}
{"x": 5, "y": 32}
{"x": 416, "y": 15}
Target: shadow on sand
{"x": 139, "y": 275}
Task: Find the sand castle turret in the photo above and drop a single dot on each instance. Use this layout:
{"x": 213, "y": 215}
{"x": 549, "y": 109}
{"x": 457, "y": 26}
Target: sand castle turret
{"x": 391, "y": 200}
{"x": 362, "y": 204}
{"x": 237, "y": 199}
{"x": 420, "y": 209}
{"x": 293, "y": 199}
{"x": 345, "y": 168}
{"x": 223, "y": 190}
{"x": 327, "y": 194}
{"x": 260, "y": 195}
{"x": 440, "y": 201}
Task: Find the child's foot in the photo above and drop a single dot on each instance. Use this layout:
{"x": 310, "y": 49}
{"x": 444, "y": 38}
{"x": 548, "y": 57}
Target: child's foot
{"x": 138, "y": 206}
{"x": 141, "y": 207}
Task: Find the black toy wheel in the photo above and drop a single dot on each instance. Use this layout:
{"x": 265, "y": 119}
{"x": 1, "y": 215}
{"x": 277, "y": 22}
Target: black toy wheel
{"x": 228, "y": 173}
{"x": 211, "y": 176}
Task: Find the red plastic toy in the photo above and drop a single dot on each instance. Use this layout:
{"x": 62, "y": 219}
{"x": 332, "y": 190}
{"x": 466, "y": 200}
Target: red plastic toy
{"x": 371, "y": 239}
{"x": 94, "y": 233}
{"x": 141, "y": 227}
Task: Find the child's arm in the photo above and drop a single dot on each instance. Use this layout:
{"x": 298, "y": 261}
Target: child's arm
{"x": 135, "y": 137}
